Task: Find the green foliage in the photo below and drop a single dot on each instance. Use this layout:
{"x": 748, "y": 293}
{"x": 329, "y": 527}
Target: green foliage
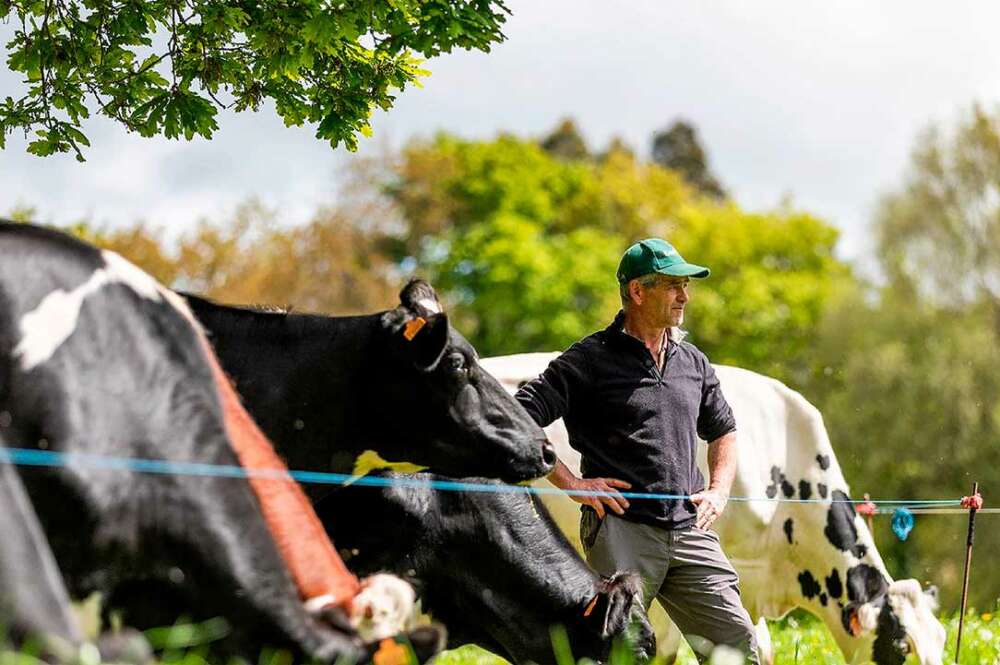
{"x": 774, "y": 275}
{"x": 679, "y": 149}
{"x": 911, "y": 397}
{"x": 527, "y": 245}
{"x": 939, "y": 234}
{"x": 565, "y": 142}
{"x": 166, "y": 67}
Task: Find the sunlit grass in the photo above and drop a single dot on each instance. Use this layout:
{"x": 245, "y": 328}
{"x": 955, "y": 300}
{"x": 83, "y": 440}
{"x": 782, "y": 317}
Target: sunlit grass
{"x": 802, "y": 638}
{"x": 798, "y": 638}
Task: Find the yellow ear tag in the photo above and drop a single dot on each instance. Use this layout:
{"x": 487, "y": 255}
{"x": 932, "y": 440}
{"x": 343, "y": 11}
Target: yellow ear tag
{"x": 413, "y": 326}
{"x": 590, "y": 605}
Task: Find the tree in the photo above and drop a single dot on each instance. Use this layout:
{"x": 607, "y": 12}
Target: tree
{"x": 167, "y": 66}
{"x": 774, "y": 275}
{"x": 565, "y": 142}
{"x": 526, "y": 247}
{"x": 939, "y": 233}
{"x": 678, "y": 148}
{"x": 910, "y": 394}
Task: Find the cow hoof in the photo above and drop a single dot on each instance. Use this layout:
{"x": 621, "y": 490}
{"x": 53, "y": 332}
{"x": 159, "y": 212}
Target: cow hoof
{"x": 125, "y": 645}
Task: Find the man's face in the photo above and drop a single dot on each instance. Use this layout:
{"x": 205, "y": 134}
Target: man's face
{"x": 664, "y": 299}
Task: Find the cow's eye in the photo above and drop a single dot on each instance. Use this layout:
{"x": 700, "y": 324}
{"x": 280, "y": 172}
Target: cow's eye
{"x": 456, "y": 362}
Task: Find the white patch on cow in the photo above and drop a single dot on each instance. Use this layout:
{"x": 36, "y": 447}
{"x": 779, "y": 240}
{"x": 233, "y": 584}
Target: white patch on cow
{"x": 317, "y": 604}
{"x": 430, "y": 305}
{"x": 121, "y": 271}
{"x": 45, "y": 328}
{"x": 383, "y": 607}
{"x": 915, "y": 611}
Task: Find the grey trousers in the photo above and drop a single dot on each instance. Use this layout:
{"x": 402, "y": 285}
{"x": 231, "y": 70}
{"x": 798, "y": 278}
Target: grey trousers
{"x": 685, "y": 570}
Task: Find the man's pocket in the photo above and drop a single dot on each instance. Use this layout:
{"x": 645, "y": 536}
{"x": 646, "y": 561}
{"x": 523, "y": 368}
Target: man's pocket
{"x": 590, "y": 526}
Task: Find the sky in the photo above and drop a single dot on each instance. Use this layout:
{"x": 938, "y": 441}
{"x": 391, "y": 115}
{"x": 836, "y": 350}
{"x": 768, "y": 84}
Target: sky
{"x": 817, "y": 103}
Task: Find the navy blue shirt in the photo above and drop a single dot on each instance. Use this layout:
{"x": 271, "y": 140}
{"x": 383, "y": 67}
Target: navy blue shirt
{"x": 631, "y": 421}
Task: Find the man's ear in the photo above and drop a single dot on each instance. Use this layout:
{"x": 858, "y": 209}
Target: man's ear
{"x": 421, "y": 339}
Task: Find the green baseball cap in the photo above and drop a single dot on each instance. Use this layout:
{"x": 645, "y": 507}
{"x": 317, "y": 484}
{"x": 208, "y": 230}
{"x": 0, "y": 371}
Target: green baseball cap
{"x": 656, "y": 255}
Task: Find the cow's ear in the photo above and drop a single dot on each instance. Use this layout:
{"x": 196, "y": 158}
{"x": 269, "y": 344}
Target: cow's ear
{"x": 860, "y": 618}
{"x": 419, "y": 297}
{"x": 421, "y": 339}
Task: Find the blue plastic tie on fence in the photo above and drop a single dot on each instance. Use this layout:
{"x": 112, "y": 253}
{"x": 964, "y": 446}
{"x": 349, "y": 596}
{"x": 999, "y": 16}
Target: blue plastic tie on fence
{"x": 902, "y": 523}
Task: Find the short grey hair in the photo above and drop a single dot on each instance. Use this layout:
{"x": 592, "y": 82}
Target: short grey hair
{"x": 647, "y": 280}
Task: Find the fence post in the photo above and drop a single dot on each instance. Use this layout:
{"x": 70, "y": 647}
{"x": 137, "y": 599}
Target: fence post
{"x": 968, "y": 564}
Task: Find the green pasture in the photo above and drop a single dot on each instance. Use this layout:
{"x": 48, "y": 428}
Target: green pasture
{"x": 801, "y": 638}
{"x": 798, "y": 638}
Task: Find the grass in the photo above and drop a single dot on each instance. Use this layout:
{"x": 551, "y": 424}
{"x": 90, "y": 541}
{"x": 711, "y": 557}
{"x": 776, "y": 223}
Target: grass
{"x": 802, "y": 638}
{"x": 798, "y": 638}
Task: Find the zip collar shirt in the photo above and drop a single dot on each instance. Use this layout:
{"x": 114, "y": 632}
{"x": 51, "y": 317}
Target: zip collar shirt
{"x": 630, "y": 420}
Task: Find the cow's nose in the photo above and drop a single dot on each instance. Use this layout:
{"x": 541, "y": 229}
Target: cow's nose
{"x": 548, "y": 454}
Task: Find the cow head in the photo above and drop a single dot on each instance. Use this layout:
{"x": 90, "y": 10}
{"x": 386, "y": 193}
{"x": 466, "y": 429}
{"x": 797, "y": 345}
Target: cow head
{"x": 453, "y": 416}
{"x": 889, "y": 621}
{"x": 899, "y": 622}
{"x": 617, "y": 611}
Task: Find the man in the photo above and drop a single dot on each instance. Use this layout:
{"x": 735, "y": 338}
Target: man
{"x": 635, "y": 398}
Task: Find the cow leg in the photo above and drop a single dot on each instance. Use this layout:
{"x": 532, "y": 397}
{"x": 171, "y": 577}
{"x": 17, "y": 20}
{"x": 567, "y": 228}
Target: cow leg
{"x": 764, "y": 646}
{"x": 33, "y": 598}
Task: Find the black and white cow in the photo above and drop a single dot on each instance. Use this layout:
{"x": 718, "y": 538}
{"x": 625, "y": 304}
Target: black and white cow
{"x": 492, "y": 566}
{"x": 346, "y": 394}
{"x": 819, "y": 557}
{"x": 96, "y": 358}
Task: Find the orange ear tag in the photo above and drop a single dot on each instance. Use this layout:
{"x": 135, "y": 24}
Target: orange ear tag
{"x": 855, "y": 625}
{"x": 391, "y": 653}
{"x": 590, "y": 605}
{"x": 413, "y": 326}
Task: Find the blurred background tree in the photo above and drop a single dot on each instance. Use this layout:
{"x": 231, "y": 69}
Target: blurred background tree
{"x": 939, "y": 233}
{"x": 678, "y": 148}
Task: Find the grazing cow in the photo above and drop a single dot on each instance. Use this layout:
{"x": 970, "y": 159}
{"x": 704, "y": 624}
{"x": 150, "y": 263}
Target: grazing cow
{"x": 819, "y": 557}
{"x": 354, "y": 392}
{"x": 510, "y": 574}
{"x": 98, "y": 359}
{"x": 492, "y": 566}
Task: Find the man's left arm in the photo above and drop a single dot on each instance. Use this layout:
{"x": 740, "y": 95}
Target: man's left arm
{"x": 711, "y": 502}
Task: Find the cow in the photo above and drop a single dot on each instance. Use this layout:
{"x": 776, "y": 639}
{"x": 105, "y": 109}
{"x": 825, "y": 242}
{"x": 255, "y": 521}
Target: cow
{"x": 99, "y": 361}
{"x": 492, "y": 566}
{"x": 820, "y": 557}
{"x": 400, "y": 386}
{"x": 501, "y": 548}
